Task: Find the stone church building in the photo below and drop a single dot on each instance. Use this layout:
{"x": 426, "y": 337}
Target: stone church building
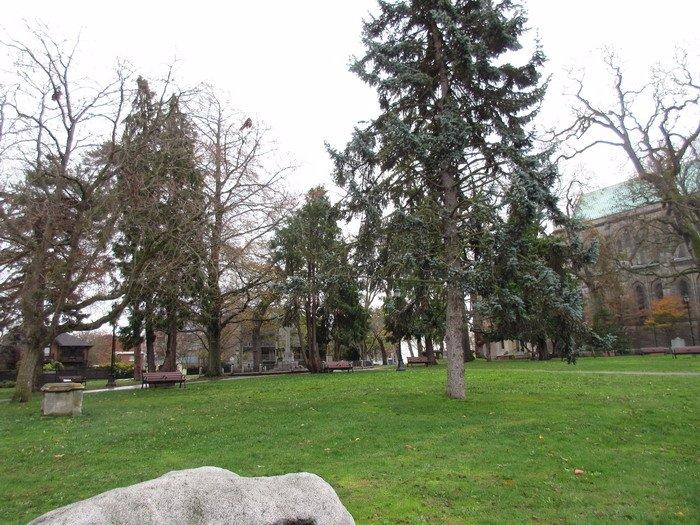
{"x": 641, "y": 261}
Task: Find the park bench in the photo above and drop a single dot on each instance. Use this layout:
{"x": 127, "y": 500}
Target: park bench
{"x": 422, "y": 360}
{"x": 162, "y": 378}
{"x": 653, "y": 350}
{"x": 73, "y": 378}
{"x": 330, "y": 366}
{"x": 685, "y": 350}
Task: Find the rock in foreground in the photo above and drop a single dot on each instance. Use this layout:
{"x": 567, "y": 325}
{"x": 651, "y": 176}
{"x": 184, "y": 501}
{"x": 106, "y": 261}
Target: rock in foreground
{"x": 213, "y": 496}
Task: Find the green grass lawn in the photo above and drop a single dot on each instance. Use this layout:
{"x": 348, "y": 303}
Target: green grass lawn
{"x": 394, "y": 448}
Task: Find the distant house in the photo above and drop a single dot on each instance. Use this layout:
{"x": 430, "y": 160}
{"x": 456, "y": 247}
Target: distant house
{"x": 68, "y": 350}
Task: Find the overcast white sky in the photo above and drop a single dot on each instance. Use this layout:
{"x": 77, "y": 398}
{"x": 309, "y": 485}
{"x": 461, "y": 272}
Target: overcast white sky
{"x": 285, "y": 62}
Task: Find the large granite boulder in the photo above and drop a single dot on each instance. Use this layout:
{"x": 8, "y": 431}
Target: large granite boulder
{"x": 210, "y": 495}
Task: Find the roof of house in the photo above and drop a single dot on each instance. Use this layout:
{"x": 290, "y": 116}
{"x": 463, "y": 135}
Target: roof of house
{"x": 71, "y": 340}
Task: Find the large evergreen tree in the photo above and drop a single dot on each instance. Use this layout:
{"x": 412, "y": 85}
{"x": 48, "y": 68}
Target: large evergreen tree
{"x": 454, "y": 116}
{"x": 528, "y": 286}
{"x": 162, "y": 202}
{"x": 318, "y": 284}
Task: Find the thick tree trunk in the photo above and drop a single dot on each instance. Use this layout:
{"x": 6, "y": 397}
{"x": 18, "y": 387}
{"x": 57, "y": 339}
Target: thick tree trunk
{"x": 410, "y": 347}
{"x": 430, "y": 350}
{"x": 150, "y": 347}
{"x": 34, "y": 331}
{"x": 454, "y": 319}
{"x": 455, "y": 297}
{"x": 26, "y": 374}
{"x": 313, "y": 358}
{"x": 542, "y": 350}
{"x": 419, "y": 345}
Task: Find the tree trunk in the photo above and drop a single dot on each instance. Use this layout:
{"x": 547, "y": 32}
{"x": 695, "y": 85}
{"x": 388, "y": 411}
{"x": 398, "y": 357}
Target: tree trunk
{"x": 215, "y": 308}
{"x": 430, "y": 350}
{"x": 34, "y": 331}
{"x": 26, "y": 374}
{"x": 138, "y": 362}
{"x": 410, "y": 347}
{"x": 255, "y": 343}
{"x": 150, "y": 347}
{"x": 170, "y": 362}
{"x": 382, "y": 349}
{"x": 455, "y": 298}
{"x": 542, "y": 349}
{"x": 313, "y": 361}
{"x": 302, "y": 347}
{"x": 213, "y": 336}
{"x": 419, "y": 345}
{"x": 454, "y": 318}
{"x": 400, "y": 366}
{"x": 466, "y": 343}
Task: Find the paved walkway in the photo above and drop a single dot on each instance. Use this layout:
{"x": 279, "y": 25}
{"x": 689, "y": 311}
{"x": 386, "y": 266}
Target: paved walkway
{"x": 609, "y": 372}
{"x": 234, "y": 378}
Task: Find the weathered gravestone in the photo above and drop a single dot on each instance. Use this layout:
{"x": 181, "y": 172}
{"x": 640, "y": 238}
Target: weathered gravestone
{"x": 210, "y": 495}
{"x": 677, "y": 342}
{"x": 62, "y": 399}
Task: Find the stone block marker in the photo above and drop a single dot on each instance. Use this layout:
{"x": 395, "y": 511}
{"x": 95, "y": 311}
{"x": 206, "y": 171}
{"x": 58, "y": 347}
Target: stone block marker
{"x": 62, "y": 399}
{"x": 210, "y": 495}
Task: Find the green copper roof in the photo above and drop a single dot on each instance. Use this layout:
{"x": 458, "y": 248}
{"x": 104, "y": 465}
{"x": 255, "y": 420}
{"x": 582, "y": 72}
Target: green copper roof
{"x": 630, "y": 194}
{"x": 607, "y": 201}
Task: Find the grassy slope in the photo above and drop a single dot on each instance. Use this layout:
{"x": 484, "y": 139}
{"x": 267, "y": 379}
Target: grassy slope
{"x": 393, "y": 447}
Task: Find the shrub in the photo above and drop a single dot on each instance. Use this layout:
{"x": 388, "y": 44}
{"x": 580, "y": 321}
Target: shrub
{"x": 7, "y": 384}
{"x": 121, "y": 370}
{"x": 53, "y": 366}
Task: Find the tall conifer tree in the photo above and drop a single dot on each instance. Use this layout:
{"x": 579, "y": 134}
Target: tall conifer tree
{"x": 454, "y": 116}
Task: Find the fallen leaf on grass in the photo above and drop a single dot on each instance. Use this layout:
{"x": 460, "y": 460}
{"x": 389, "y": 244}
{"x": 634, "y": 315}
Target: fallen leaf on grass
{"x": 409, "y": 447}
{"x": 579, "y": 472}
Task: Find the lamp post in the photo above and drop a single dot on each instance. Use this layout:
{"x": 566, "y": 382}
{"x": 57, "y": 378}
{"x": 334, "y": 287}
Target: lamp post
{"x": 111, "y": 380}
{"x": 686, "y": 301}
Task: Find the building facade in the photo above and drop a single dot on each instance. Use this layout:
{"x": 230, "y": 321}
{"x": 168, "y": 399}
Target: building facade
{"x": 642, "y": 261}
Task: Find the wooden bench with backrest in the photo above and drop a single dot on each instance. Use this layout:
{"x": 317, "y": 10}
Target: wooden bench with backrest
{"x": 685, "y": 350}
{"x": 422, "y": 360}
{"x": 330, "y": 366}
{"x": 162, "y": 378}
{"x": 653, "y": 350}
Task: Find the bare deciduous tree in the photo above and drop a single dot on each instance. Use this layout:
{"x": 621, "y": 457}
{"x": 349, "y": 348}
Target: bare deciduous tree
{"x": 57, "y": 216}
{"x": 657, "y": 126}
{"x": 245, "y": 201}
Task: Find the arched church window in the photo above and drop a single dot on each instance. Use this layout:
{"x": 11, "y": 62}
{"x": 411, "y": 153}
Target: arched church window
{"x": 681, "y": 252}
{"x": 684, "y": 289}
{"x": 640, "y": 296}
